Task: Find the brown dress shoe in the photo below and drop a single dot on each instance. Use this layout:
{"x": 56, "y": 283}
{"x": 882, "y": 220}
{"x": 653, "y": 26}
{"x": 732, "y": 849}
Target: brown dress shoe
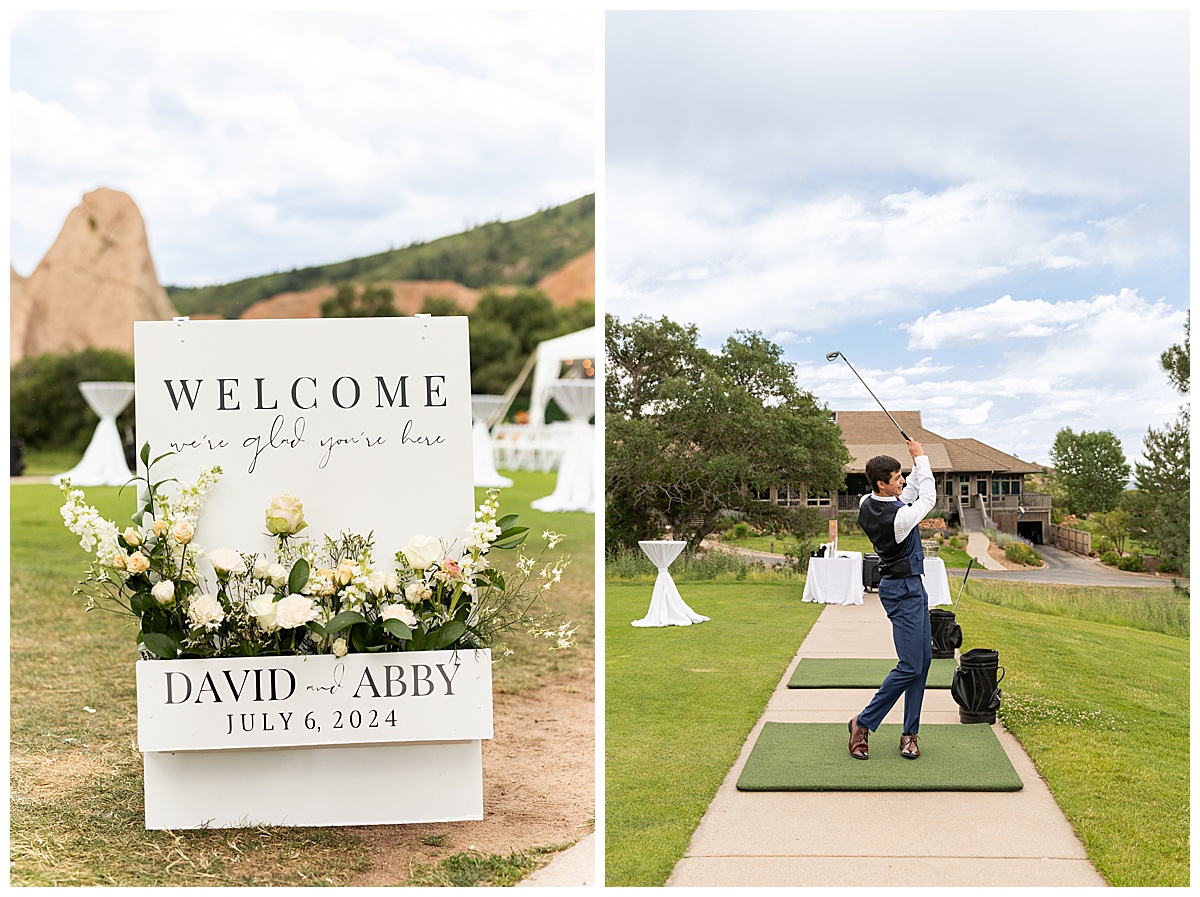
{"x": 858, "y": 739}
{"x": 908, "y": 747}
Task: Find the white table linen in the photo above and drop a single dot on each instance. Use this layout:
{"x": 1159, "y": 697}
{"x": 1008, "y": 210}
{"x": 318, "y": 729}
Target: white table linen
{"x": 835, "y": 580}
{"x": 575, "y": 488}
{"x": 667, "y": 607}
{"x": 103, "y": 463}
{"x": 483, "y": 451}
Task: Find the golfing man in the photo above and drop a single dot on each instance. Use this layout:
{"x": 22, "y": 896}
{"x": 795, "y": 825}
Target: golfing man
{"x": 889, "y": 516}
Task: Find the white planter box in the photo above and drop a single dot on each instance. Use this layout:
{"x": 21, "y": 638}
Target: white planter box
{"x": 314, "y": 740}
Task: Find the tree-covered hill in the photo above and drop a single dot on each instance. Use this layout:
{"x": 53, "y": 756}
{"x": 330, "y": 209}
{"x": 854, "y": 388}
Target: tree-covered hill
{"x": 500, "y": 252}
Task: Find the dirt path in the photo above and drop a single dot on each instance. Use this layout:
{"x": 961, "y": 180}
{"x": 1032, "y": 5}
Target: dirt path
{"x": 538, "y": 787}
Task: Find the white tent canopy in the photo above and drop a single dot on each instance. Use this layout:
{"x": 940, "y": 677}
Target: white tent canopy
{"x": 550, "y": 357}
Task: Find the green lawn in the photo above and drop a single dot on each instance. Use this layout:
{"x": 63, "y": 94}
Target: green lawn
{"x": 1101, "y": 707}
{"x": 679, "y": 704}
{"x": 1103, "y": 710}
{"x": 76, "y": 775}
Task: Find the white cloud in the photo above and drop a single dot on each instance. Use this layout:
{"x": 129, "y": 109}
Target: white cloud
{"x": 268, "y": 140}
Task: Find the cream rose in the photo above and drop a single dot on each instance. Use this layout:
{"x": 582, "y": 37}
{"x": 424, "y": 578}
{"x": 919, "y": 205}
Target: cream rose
{"x": 422, "y": 551}
{"x": 294, "y": 611}
{"x": 137, "y": 563}
{"x": 416, "y": 591}
{"x": 377, "y": 582}
{"x": 278, "y": 574}
{"x": 133, "y": 536}
{"x": 263, "y": 608}
{"x": 226, "y": 560}
{"x": 345, "y": 572}
{"x": 340, "y": 648}
{"x": 262, "y": 569}
{"x": 160, "y": 527}
{"x": 285, "y": 516}
{"x": 164, "y": 592}
{"x": 183, "y": 532}
{"x": 398, "y": 612}
{"x": 120, "y": 559}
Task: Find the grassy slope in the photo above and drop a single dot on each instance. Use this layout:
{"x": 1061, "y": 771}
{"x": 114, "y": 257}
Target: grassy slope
{"x": 679, "y": 703}
{"x": 76, "y": 781}
{"x": 516, "y": 252}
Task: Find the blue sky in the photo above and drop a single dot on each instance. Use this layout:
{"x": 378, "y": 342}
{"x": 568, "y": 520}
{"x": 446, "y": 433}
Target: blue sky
{"x": 986, "y": 212}
{"x": 260, "y": 141}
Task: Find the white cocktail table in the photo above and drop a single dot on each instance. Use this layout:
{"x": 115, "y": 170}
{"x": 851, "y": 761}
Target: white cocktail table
{"x": 667, "y": 607}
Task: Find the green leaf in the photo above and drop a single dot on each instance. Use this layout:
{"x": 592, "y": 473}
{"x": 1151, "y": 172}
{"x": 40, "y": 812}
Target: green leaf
{"x": 159, "y": 458}
{"x": 511, "y": 538}
{"x": 145, "y": 453}
{"x": 505, "y": 522}
{"x": 397, "y": 628}
{"x": 298, "y": 578}
{"x": 314, "y": 626}
{"x": 448, "y": 634}
{"x": 344, "y": 620}
{"x": 418, "y": 639}
{"x": 360, "y": 637}
{"x": 492, "y": 576}
{"x": 161, "y": 645}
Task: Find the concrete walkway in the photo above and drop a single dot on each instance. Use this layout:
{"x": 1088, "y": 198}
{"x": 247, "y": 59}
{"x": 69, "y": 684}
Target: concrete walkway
{"x": 977, "y": 547}
{"x": 877, "y": 839}
{"x": 575, "y": 867}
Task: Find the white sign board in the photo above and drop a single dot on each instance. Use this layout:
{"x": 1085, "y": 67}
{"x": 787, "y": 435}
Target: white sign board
{"x": 366, "y": 420}
{"x": 271, "y": 702}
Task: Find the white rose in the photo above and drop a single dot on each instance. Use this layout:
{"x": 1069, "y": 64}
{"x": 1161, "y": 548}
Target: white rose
{"x": 340, "y": 648}
{"x": 422, "y": 551}
{"x": 393, "y": 583}
{"x": 278, "y": 574}
{"x": 226, "y": 560}
{"x": 294, "y": 611}
{"x": 206, "y": 611}
{"x": 285, "y": 516}
{"x": 398, "y": 612}
{"x": 262, "y": 569}
{"x": 416, "y": 592}
{"x": 133, "y": 536}
{"x": 164, "y": 592}
{"x": 263, "y": 608}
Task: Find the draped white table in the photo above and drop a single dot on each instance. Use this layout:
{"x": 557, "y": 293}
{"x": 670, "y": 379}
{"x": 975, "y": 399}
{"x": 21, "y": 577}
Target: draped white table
{"x": 482, "y": 406}
{"x": 667, "y": 607}
{"x": 937, "y": 584}
{"x": 575, "y": 488}
{"x": 835, "y": 580}
{"x": 103, "y": 464}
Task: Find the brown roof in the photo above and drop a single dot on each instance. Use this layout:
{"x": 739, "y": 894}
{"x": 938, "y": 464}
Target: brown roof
{"x": 870, "y": 433}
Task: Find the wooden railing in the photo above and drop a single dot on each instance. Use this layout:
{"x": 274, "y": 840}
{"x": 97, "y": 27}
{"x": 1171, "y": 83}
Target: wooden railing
{"x": 1076, "y": 540}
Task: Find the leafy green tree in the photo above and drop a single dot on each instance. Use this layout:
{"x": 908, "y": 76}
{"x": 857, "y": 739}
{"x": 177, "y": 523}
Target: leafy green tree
{"x": 1116, "y": 525}
{"x": 691, "y": 434}
{"x": 1091, "y": 467}
{"x": 1165, "y": 474}
{"x": 47, "y": 410}
{"x": 372, "y": 302}
{"x": 441, "y": 305}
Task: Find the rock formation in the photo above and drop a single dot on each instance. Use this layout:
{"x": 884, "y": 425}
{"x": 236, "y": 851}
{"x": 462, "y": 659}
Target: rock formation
{"x": 18, "y": 306}
{"x": 574, "y": 281}
{"x": 409, "y": 297}
{"x": 96, "y": 280}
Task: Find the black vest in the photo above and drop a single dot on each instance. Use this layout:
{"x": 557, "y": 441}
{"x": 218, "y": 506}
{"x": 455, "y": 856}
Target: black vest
{"x": 896, "y": 559}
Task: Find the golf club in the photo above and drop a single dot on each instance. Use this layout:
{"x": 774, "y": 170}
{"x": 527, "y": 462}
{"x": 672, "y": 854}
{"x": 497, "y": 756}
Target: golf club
{"x": 832, "y": 355}
{"x": 964, "y": 584}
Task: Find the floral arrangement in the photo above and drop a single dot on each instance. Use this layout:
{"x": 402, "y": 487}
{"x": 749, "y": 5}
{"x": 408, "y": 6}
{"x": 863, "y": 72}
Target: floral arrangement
{"x": 309, "y": 596}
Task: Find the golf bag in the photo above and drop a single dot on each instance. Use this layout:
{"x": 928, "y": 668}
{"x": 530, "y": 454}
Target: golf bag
{"x": 946, "y": 634}
{"x": 975, "y": 687}
{"x": 871, "y": 574}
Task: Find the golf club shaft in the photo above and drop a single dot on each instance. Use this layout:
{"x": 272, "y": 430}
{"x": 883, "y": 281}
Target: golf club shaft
{"x": 875, "y": 397}
{"x": 970, "y": 564}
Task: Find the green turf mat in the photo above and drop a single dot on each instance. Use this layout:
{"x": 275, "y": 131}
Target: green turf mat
{"x": 861, "y": 672}
{"x": 816, "y": 757}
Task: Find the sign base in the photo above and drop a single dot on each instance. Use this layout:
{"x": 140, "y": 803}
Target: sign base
{"x": 377, "y": 784}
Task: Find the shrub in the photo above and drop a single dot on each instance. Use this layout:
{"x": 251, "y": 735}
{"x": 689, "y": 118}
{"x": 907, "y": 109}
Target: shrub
{"x": 46, "y": 408}
{"x": 1131, "y": 563}
{"x": 740, "y": 530}
{"x": 1111, "y": 558}
{"x": 1020, "y": 553}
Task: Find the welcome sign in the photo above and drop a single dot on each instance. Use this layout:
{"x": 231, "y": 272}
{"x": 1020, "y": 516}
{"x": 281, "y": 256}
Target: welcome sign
{"x": 257, "y": 702}
{"x": 367, "y": 421}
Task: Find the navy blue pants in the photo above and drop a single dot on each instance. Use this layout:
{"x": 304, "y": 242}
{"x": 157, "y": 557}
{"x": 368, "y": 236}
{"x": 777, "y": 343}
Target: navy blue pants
{"x": 907, "y": 606}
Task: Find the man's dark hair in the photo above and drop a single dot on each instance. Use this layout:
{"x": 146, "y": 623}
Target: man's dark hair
{"x": 880, "y": 469}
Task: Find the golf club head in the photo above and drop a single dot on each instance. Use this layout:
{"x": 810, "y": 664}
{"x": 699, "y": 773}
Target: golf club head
{"x": 832, "y": 356}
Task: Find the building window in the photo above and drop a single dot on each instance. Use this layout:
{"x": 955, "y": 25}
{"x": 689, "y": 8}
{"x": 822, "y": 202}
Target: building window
{"x": 816, "y": 500}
